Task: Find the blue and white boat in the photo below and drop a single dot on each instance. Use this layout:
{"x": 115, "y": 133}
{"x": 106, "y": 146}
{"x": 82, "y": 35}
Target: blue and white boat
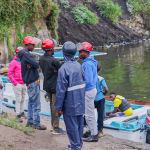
{"x": 130, "y": 127}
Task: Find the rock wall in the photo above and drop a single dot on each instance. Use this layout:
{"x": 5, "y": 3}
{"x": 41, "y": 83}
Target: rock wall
{"x": 136, "y": 23}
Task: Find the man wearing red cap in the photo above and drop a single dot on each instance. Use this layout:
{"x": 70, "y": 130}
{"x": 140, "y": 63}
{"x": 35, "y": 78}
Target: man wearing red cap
{"x": 30, "y": 75}
{"x": 90, "y": 70}
{"x": 50, "y": 66}
{"x": 15, "y": 76}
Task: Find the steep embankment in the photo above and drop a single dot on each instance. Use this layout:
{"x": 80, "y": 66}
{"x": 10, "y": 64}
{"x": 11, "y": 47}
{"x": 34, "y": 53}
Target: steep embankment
{"x": 103, "y": 32}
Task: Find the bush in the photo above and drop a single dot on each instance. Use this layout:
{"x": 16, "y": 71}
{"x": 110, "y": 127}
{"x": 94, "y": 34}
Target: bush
{"x": 83, "y": 15}
{"x": 109, "y": 9}
{"x": 142, "y": 7}
{"x": 52, "y": 22}
{"x": 65, "y": 3}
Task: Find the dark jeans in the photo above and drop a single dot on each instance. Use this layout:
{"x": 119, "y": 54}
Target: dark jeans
{"x": 100, "y": 105}
{"x": 74, "y": 127}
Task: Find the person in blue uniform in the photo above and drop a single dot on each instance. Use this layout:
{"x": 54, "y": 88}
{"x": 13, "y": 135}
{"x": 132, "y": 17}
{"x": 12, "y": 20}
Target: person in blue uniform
{"x": 70, "y": 96}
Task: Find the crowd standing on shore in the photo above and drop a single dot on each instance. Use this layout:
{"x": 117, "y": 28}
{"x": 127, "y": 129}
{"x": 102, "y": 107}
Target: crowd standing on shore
{"x": 73, "y": 90}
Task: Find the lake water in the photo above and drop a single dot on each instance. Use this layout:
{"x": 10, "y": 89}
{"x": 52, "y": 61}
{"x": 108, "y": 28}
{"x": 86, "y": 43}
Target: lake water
{"x": 127, "y": 70}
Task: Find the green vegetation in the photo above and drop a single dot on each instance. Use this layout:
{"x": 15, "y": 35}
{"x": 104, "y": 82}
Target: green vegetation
{"x": 11, "y": 144}
{"x": 15, "y": 14}
{"x": 88, "y": 1}
{"x": 52, "y": 22}
{"x": 83, "y": 15}
{"x": 13, "y": 123}
{"x": 109, "y": 9}
{"x": 142, "y": 7}
{"x": 65, "y": 3}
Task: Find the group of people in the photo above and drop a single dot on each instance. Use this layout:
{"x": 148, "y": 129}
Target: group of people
{"x": 73, "y": 90}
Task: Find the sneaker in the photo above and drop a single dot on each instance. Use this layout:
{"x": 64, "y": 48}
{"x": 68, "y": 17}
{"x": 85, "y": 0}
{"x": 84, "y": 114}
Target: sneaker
{"x": 91, "y": 138}
{"x": 23, "y": 115}
{"x": 52, "y": 128}
{"x": 29, "y": 124}
{"x": 19, "y": 118}
{"x": 58, "y": 131}
{"x": 86, "y": 134}
{"x": 39, "y": 127}
{"x": 101, "y": 133}
{"x": 68, "y": 148}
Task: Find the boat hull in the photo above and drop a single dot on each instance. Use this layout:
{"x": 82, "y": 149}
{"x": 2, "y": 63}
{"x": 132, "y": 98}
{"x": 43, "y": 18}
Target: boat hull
{"x": 136, "y": 136}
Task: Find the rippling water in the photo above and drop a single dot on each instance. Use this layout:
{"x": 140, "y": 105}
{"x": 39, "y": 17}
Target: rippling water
{"x": 127, "y": 70}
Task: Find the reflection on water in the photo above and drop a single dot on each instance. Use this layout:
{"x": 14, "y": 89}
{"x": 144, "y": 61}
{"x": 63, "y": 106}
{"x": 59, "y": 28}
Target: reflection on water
{"x": 127, "y": 70}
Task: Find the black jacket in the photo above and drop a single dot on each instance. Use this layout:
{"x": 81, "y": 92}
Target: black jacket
{"x": 49, "y": 66}
{"x": 29, "y": 75}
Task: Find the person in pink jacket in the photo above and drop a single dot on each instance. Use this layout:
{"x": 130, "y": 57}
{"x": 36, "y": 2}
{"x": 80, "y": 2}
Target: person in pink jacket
{"x": 15, "y": 76}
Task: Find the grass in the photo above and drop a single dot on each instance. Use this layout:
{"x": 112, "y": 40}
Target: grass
{"x": 65, "y": 3}
{"x": 109, "y": 9}
{"x": 11, "y": 144}
{"x": 13, "y": 123}
{"x": 83, "y": 15}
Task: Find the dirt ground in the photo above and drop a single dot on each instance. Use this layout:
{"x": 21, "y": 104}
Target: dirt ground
{"x": 104, "y": 32}
{"x": 12, "y": 139}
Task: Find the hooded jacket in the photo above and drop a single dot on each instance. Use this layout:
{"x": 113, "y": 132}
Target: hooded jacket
{"x": 14, "y": 71}
{"x": 29, "y": 75}
{"x": 90, "y": 70}
{"x": 50, "y": 66}
{"x": 70, "y": 88}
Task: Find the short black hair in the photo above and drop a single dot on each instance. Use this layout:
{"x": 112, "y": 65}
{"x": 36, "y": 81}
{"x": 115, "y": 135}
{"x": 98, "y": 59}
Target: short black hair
{"x": 98, "y": 67}
{"x": 112, "y": 93}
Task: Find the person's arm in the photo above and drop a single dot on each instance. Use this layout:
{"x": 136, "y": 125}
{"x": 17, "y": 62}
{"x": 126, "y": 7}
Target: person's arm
{"x": 57, "y": 64}
{"x": 88, "y": 74}
{"x": 32, "y": 61}
{"x": 114, "y": 111}
{"x": 103, "y": 82}
{"x": 61, "y": 89}
{"x": 11, "y": 69}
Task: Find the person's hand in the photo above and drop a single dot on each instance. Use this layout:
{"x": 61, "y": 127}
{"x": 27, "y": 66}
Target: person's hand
{"x": 29, "y": 66}
{"x": 107, "y": 113}
{"x": 1, "y": 86}
{"x": 60, "y": 112}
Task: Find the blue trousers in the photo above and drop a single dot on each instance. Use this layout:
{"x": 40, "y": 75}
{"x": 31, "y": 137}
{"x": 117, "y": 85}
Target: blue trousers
{"x": 100, "y": 109}
{"x": 34, "y": 105}
{"x": 74, "y": 127}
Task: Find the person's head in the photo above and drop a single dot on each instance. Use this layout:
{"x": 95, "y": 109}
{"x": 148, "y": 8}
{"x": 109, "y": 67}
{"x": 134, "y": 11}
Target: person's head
{"x": 48, "y": 46}
{"x": 18, "y": 50}
{"x": 69, "y": 49}
{"x": 29, "y": 43}
{"x": 112, "y": 96}
{"x": 84, "y": 49}
{"x": 98, "y": 67}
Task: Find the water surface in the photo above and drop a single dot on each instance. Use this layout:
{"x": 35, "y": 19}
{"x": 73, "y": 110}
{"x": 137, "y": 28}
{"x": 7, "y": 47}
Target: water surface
{"x": 127, "y": 70}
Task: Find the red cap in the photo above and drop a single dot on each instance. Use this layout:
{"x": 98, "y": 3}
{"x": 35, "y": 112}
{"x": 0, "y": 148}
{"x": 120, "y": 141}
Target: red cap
{"x": 87, "y": 46}
{"x": 84, "y": 46}
{"x": 29, "y": 40}
{"x": 18, "y": 49}
{"x": 47, "y": 44}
